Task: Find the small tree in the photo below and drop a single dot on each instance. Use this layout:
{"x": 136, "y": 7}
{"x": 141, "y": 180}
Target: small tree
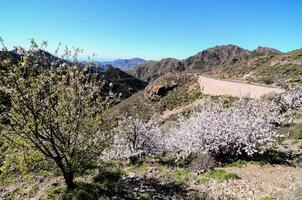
{"x": 134, "y": 138}
{"x": 56, "y": 108}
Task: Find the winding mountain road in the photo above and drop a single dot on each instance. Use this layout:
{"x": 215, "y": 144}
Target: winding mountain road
{"x": 217, "y": 87}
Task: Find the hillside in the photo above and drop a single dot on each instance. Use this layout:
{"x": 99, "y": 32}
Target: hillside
{"x": 265, "y": 65}
{"x": 153, "y": 69}
{"x": 166, "y": 93}
{"x": 122, "y": 82}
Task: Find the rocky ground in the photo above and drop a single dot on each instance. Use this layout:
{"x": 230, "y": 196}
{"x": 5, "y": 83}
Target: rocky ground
{"x": 245, "y": 181}
{"x": 258, "y": 182}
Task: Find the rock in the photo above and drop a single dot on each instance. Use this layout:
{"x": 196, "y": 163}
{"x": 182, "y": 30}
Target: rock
{"x": 166, "y": 83}
{"x": 161, "y": 86}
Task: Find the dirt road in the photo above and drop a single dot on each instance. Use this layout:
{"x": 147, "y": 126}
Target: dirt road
{"x": 234, "y": 88}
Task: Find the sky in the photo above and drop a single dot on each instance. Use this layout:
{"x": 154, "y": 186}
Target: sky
{"x": 152, "y": 29}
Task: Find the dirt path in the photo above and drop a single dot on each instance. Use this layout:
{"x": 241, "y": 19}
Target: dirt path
{"x": 234, "y": 88}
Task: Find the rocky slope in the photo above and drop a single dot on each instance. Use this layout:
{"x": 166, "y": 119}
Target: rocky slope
{"x": 265, "y": 65}
{"x": 153, "y": 69}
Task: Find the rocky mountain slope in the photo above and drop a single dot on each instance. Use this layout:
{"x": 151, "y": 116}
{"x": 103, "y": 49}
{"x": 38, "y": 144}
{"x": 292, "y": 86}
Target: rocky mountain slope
{"x": 232, "y": 62}
{"x": 153, "y": 69}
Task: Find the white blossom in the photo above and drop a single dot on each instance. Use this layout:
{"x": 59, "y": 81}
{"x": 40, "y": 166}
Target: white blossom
{"x": 239, "y": 129}
{"x": 134, "y": 137}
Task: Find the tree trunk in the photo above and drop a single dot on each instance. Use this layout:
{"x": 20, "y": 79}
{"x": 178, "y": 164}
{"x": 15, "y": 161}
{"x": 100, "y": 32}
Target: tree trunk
{"x": 67, "y": 173}
{"x": 68, "y": 176}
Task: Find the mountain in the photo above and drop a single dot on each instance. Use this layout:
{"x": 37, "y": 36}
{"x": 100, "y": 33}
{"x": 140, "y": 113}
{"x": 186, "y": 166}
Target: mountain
{"x": 151, "y": 70}
{"x": 229, "y": 61}
{"x": 122, "y": 82}
{"x": 123, "y": 64}
{"x": 204, "y": 61}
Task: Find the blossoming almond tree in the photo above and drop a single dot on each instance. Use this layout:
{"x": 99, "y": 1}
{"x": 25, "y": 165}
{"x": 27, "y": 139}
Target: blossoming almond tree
{"x": 239, "y": 129}
{"x": 55, "y": 108}
{"x": 135, "y": 138}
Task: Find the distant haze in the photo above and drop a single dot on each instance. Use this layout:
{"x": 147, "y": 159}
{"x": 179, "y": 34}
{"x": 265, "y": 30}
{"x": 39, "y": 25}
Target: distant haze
{"x": 124, "y": 64}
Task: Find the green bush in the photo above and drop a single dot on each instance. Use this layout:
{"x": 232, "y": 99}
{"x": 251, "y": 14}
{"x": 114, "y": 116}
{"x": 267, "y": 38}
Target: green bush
{"x": 267, "y": 80}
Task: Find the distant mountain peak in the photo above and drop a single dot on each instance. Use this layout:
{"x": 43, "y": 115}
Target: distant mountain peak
{"x": 124, "y": 64}
{"x": 266, "y": 50}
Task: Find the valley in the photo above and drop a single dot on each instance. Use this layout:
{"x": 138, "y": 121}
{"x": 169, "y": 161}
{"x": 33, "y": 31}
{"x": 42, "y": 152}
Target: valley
{"x": 150, "y": 100}
{"x": 208, "y": 127}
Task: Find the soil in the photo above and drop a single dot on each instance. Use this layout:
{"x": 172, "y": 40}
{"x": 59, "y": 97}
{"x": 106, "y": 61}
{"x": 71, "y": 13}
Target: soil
{"x": 256, "y": 182}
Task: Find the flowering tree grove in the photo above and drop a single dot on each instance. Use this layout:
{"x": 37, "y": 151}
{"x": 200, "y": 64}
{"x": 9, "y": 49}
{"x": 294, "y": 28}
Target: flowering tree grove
{"x": 213, "y": 128}
{"x": 239, "y": 129}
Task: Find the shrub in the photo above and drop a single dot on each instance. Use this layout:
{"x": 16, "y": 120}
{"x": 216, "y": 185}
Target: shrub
{"x": 291, "y": 99}
{"x": 266, "y": 198}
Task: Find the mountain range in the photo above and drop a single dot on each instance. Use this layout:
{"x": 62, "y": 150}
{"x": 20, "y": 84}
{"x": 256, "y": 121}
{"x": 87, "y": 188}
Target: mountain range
{"x": 123, "y": 82}
{"x": 123, "y": 64}
{"x": 232, "y": 62}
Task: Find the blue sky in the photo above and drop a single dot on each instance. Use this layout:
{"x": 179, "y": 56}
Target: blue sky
{"x": 152, "y": 29}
